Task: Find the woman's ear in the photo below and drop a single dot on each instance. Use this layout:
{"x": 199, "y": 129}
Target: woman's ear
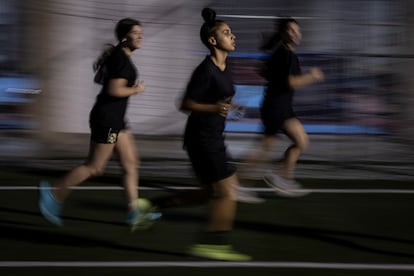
{"x": 212, "y": 41}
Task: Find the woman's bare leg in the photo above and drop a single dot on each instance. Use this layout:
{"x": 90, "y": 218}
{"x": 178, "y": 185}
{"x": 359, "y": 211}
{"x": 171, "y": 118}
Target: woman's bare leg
{"x": 260, "y": 155}
{"x": 129, "y": 159}
{"x": 223, "y": 208}
{"x": 99, "y": 155}
{"x": 296, "y": 132}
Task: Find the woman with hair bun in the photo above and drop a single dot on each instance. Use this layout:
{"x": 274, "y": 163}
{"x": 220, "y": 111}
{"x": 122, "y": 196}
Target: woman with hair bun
{"x": 207, "y": 100}
{"x": 109, "y": 131}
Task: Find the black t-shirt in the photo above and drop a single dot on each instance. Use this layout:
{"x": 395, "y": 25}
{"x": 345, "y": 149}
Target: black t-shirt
{"x": 109, "y": 111}
{"x": 280, "y": 65}
{"x": 208, "y": 85}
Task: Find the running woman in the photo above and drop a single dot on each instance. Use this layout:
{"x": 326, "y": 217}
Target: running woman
{"x": 284, "y": 76}
{"x": 207, "y": 100}
{"x": 109, "y": 130}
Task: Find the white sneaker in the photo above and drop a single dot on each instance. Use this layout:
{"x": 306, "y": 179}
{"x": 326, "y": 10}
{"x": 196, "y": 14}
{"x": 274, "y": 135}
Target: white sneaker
{"x": 284, "y": 187}
{"x": 246, "y": 196}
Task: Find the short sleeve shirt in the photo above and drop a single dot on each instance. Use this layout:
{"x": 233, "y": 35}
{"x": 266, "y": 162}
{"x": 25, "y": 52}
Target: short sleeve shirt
{"x": 281, "y": 64}
{"x": 208, "y": 85}
{"x": 109, "y": 111}
{"x": 279, "y": 95}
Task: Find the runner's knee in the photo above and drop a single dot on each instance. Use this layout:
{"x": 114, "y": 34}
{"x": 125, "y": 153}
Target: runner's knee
{"x": 226, "y": 191}
{"x": 96, "y": 170}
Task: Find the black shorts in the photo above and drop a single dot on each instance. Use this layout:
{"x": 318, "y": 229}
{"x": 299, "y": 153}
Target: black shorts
{"x": 210, "y": 166}
{"x": 273, "y": 121}
{"x": 104, "y": 135}
{"x": 275, "y": 110}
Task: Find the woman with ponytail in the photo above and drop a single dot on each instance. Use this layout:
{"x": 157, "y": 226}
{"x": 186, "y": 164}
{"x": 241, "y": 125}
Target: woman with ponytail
{"x": 109, "y": 130}
{"x": 283, "y": 73}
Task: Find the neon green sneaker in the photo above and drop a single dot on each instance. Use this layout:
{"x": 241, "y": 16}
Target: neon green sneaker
{"x": 144, "y": 216}
{"x": 218, "y": 252}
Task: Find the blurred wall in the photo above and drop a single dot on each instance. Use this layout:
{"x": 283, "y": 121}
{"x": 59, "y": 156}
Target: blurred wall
{"x": 65, "y": 37}
{"x": 406, "y": 94}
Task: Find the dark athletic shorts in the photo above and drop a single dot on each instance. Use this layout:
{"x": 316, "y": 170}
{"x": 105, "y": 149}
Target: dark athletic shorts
{"x": 273, "y": 121}
{"x": 210, "y": 166}
{"x": 275, "y": 110}
{"x": 104, "y": 135}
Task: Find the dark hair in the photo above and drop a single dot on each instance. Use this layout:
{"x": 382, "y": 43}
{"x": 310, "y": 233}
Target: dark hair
{"x": 103, "y": 56}
{"x": 280, "y": 34}
{"x": 99, "y": 65}
{"x": 122, "y": 28}
{"x": 210, "y": 25}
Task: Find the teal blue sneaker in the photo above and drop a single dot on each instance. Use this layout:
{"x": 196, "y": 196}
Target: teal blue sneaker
{"x": 49, "y": 207}
{"x": 144, "y": 216}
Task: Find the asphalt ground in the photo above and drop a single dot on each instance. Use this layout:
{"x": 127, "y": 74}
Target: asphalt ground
{"x": 356, "y": 220}
{"x": 343, "y": 227}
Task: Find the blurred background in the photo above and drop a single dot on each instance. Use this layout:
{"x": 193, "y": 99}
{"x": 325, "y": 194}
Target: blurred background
{"x": 365, "y": 48}
{"x": 359, "y": 165}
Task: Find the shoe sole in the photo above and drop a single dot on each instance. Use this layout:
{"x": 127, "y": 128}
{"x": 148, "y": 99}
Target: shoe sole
{"x": 141, "y": 226}
{"x": 143, "y": 223}
{"x": 250, "y": 200}
{"x": 285, "y": 192}
{"x": 220, "y": 256}
{"x": 55, "y": 220}
{"x": 49, "y": 216}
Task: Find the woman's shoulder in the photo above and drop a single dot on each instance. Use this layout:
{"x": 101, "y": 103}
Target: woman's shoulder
{"x": 282, "y": 54}
{"x": 206, "y": 62}
{"x": 205, "y": 65}
{"x": 282, "y": 51}
{"x": 118, "y": 54}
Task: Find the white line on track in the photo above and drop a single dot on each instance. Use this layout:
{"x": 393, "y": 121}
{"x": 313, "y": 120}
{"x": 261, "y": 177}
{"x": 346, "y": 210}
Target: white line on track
{"x": 320, "y": 191}
{"x": 214, "y": 264}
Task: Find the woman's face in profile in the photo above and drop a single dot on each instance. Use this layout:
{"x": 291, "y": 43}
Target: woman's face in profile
{"x": 225, "y": 39}
{"x": 294, "y": 34}
{"x": 135, "y": 37}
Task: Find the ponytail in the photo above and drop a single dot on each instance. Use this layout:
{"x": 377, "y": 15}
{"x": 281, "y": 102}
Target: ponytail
{"x": 99, "y": 65}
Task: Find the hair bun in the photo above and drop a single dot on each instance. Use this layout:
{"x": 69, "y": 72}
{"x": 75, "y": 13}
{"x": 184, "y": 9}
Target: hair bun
{"x": 208, "y": 15}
